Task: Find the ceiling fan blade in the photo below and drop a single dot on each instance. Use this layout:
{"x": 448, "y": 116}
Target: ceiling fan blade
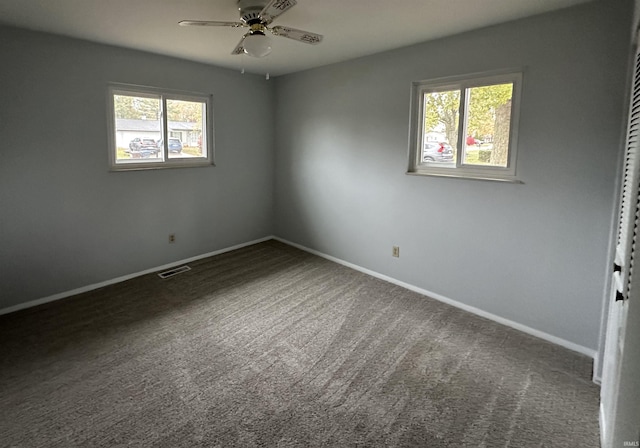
{"x": 210, "y": 23}
{"x": 240, "y": 47}
{"x": 274, "y": 8}
{"x": 299, "y": 35}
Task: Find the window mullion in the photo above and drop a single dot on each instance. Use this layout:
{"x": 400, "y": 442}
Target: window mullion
{"x": 462, "y": 126}
{"x": 165, "y": 144}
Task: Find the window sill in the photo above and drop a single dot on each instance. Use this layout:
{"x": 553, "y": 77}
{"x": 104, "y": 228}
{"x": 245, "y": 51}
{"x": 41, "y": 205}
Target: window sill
{"x": 469, "y": 176}
{"x": 159, "y": 166}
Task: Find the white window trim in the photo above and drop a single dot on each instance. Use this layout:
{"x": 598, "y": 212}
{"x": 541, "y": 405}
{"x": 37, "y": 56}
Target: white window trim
{"x": 416, "y": 127}
{"x": 164, "y": 94}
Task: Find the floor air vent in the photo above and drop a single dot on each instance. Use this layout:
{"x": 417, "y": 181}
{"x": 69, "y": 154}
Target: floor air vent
{"x": 174, "y": 271}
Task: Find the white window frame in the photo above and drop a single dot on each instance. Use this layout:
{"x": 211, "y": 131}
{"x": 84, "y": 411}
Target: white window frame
{"x": 461, "y": 170}
{"x": 164, "y": 95}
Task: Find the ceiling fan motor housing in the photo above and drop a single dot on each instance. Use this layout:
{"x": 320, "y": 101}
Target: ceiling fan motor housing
{"x": 250, "y": 10}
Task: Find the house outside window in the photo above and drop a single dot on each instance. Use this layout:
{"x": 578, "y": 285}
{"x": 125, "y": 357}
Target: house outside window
{"x": 466, "y": 126}
{"x": 153, "y": 128}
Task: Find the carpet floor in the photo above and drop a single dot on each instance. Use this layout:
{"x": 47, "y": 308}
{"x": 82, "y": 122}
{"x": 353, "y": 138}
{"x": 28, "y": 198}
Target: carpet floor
{"x": 269, "y": 346}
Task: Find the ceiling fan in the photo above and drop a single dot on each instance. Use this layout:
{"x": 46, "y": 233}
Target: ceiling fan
{"x": 257, "y": 15}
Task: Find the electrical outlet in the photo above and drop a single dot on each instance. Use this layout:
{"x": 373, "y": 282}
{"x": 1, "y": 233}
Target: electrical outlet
{"x": 396, "y": 251}
{"x": 172, "y": 238}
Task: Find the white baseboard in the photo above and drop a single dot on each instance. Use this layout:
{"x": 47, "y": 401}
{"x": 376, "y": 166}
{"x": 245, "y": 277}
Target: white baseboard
{"x": 501, "y": 320}
{"x": 62, "y": 295}
{"x": 597, "y": 378}
{"x": 532, "y": 331}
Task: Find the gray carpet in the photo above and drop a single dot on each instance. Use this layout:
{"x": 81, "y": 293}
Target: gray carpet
{"x": 269, "y": 346}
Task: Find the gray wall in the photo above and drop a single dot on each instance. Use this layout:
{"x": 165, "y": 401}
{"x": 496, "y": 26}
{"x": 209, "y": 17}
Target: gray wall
{"x": 535, "y": 253}
{"x": 65, "y": 220}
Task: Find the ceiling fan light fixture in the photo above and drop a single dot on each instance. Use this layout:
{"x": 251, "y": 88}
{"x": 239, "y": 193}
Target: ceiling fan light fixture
{"x": 257, "y": 44}
{"x": 257, "y": 15}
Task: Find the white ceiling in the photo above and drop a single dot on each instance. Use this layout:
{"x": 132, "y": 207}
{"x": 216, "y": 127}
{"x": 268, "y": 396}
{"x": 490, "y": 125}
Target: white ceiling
{"x": 351, "y": 28}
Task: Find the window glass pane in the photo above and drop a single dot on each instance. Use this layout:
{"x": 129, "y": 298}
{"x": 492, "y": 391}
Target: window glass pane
{"x": 138, "y": 128}
{"x": 441, "y": 120}
{"x": 187, "y": 131}
{"x": 488, "y": 125}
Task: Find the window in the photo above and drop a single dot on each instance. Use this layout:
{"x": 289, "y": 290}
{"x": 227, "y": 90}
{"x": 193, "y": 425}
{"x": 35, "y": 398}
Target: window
{"x": 152, "y": 128}
{"x": 466, "y": 126}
